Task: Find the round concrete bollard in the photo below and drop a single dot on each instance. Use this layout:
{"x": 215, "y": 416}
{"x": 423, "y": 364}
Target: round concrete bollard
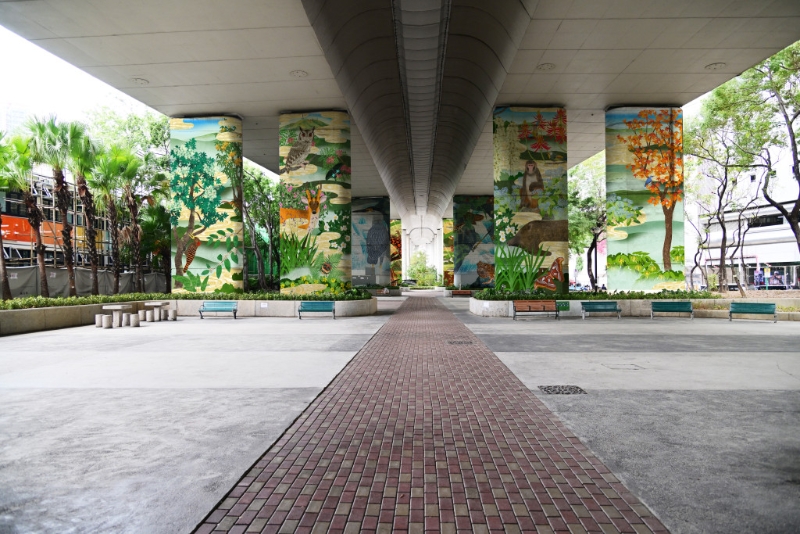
{"x": 142, "y": 315}
{"x": 98, "y": 320}
{"x": 107, "y": 321}
{"x": 135, "y": 321}
{"x": 149, "y": 316}
{"x": 173, "y": 315}
{"x": 126, "y": 319}
{"x": 164, "y": 315}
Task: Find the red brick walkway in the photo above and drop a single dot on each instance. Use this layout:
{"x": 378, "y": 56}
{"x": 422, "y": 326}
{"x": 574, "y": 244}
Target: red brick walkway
{"x": 423, "y": 432}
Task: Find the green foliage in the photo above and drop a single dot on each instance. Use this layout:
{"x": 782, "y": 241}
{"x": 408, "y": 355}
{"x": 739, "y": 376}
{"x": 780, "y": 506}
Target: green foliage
{"x": 678, "y": 254}
{"x": 515, "y": 269}
{"x": 419, "y": 270}
{"x": 41, "y": 302}
{"x": 622, "y": 211}
{"x": 538, "y": 294}
{"x": 297, "y": 252}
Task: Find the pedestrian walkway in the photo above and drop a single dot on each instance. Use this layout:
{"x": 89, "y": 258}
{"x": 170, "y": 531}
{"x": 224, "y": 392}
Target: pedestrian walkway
{"x": 426, "y": 430}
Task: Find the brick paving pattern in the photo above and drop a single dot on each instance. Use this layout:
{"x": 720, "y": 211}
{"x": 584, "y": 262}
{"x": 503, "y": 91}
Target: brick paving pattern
{"x": 422, "y": 432}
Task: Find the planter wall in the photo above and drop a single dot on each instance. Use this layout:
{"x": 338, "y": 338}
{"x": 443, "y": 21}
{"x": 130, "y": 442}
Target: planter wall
{"x": 639, "y": 308}
{"x": 41, "y": 319}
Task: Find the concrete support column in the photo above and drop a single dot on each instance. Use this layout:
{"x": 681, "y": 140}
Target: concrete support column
{"x": 473, "y": 245}
{"x": 205, "y": 212}
{"x": 316, "y": 208}
{"x": 644, "y": 192}
{"x": 530, "y": 199}
{"x": 370, "y": 242}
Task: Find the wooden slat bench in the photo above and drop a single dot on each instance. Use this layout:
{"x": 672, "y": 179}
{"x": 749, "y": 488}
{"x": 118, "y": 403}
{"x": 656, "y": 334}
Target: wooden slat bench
{"x": 317, "y": 306}
{"x": 461, "y": 293}
{"x": 600, "y": 306}
{"x": 219, "y": 306}
{"x": 760, "y": 308}
{"x": 535, "y": 306}
{"x": 666, "y": 306}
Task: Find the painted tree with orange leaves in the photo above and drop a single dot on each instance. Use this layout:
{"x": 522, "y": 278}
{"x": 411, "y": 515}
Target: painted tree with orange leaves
{"x": 656, "y": 143}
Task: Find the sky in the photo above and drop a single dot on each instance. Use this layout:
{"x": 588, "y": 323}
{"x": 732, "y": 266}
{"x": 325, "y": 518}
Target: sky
{"x": 32, "y": 87}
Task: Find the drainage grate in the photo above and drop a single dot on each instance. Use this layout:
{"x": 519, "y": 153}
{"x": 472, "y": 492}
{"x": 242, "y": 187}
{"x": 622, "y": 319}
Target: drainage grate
{"x": 562, "y": 390}
{"x": 459, "y": 342}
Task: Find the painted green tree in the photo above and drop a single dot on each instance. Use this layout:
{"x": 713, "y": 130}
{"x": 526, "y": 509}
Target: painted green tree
{"x": 194, "y": 188}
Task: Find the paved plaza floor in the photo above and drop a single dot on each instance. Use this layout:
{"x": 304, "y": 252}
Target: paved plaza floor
{"x": 231, "y": 425}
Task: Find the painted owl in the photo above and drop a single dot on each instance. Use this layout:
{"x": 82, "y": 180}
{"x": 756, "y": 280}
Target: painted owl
{"x": 299, "y": 151}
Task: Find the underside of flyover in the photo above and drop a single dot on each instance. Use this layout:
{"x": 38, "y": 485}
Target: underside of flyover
{"x": 420, "y": 78}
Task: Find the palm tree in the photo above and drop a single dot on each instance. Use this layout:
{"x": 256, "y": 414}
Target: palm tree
{"x": 5, "y": 185}
{"x": 140, "y": 184}
{"x": 51, "y": 144}
{"x": 104, "y": 181}
{"x": 16, "y": 171}
{"x": 156, "y": 232}
{"x": 82, "y": 159}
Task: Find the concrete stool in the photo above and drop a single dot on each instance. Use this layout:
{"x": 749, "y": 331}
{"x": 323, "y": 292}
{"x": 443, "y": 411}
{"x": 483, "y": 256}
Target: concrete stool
{"x": 135, "y": 320}
{"x": 117, "y": 318}
{"x": 164, "y": 315}
{"x": 142, "y": 315}
{"x": 149, "y": 316}
{"x": 98, "y": 320}
{"x": 172, "y": 315}
{"x": 156, "y": 314}
{"x": 107, "y": 321}
{"x": 126, "y": 319}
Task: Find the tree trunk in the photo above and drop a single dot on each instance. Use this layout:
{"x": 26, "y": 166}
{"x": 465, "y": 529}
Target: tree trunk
{"x": 3, "y": 272}
{"x": 63, "y": 201}
{"x": 34, "y": 215}
{"x": 87, "y": 199}
{"x": 589, "y": 269}
{"x": 165, "y": 256}
{"x": 723, "y": 251}
{"x": 137, "y": 260}
{"x": 112, "y": 216}
{"x": 665, "y": 251}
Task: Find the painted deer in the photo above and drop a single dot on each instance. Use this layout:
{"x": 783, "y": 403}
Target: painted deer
{"x": 310, "y": 214}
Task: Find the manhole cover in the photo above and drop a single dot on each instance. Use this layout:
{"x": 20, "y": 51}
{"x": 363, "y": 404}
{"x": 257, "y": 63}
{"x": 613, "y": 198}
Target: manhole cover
{"x": 623, "y": 366}
{"x": 459, "y": 342}
{"x": 562, "y": 390}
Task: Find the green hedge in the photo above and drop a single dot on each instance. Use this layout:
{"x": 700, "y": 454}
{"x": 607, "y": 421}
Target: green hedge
{"x": 497, "y": 294}
{"x": 41, "y": 302}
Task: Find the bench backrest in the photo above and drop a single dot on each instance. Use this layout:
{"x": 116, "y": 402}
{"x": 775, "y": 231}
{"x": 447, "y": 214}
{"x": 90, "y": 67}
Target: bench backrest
{"x": 535, "y": 305}
{"x": 220, "y": 305}
{"x": 668, "y": 306}
{"x": 752, "y": 307}
{"x": 601, "y": 305}
{"x": 316, "y": 305}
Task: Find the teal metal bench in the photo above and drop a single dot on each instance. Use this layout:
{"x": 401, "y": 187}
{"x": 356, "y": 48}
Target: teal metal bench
{"x": 222, "y": 306}
{"x": 600, "y": 306}
{"x": 760, "y": 308}
{"x": 323, "y": 306}
{"x": 661, "y": 306}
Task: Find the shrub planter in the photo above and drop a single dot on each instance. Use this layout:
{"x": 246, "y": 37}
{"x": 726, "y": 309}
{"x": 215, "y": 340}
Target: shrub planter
{"x": 639, "y": 308}
{"x": 52, "y": 318}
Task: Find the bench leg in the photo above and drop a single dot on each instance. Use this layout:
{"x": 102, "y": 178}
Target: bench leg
{"x": 692, "y": 315}
{"x": 651, "y": 315}
{"x": 201, "y": 315}
{"x": 234, "y": 316}
{"x": 583, "y": 315}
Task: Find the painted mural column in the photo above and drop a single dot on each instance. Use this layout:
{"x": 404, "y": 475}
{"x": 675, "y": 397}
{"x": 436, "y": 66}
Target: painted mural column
{"x": 644, "y": 184}
{"x": 448, "y": 248}
{"x": 396, "y": 250}
{"x": 370, "y": 242}
{"x": 530, "y": 199}
{"x": 473, "y": 241}
{"x": 206, "y": 204}
{"x": 315, "y": 202}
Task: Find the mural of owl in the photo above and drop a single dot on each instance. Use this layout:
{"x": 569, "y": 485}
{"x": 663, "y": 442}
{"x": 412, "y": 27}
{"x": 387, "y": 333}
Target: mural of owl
{"x": 299, "y": 151}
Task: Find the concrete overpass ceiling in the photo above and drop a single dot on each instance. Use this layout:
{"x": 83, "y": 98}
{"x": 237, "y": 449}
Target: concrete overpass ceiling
{"x": 260, "y": 57}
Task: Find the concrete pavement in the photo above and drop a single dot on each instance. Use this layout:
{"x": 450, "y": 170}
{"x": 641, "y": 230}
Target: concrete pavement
{"x": 701, "y": 419}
